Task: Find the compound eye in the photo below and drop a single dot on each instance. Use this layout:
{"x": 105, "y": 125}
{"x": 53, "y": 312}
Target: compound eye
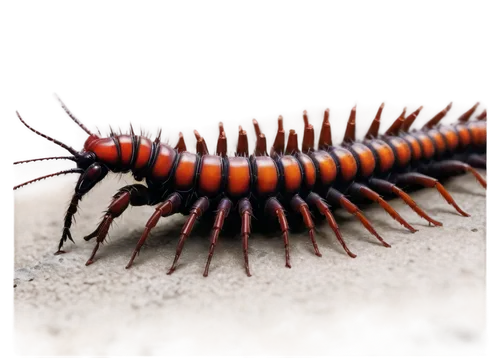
{"x": 94, "y": 172}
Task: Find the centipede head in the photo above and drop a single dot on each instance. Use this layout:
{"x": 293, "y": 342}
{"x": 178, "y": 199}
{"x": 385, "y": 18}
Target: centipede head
{"x": 69, "y": 159}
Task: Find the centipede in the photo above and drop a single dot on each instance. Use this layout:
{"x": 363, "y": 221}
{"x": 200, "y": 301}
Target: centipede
{"x": 308, "y": 182}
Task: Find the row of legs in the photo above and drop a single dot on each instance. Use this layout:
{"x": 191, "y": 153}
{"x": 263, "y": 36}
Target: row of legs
{"x": 137, "y": 195}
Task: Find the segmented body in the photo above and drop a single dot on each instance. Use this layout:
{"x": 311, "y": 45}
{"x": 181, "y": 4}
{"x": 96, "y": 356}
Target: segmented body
{"x": 167, "y": 169}
{"x": 297, "y": 180}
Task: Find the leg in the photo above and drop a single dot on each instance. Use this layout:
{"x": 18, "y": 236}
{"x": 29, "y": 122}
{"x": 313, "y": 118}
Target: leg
{"x": 335, "y": 197}
{"x": 452, "y": 167}
{"x": 167, "y": 208}
{"x": 136, "y": 195}
{"x": 315, "y": 200}
{"x": 245, "y": 210}
{"x": 424, "y": 180}
{"x": 389, "y": 188}
{"x": 367, "y": 193}
{"x": 274, "y": 208}
{"x": 477, "y": 161}
{"x": 222, "y": 212}
{"x": 199, "y": 207}
{"x": 89, "y": 178}
{"x": 300, "y": 206}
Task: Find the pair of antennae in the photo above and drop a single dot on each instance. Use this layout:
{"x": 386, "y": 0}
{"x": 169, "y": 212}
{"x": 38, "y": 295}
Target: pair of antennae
{"x": 82, "y": 127}
{"x": 67, "y": 147}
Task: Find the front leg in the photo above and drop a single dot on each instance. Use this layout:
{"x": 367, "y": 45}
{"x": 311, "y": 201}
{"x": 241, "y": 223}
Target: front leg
{"x": 92, "y": 175}
{"x": 135, "y": 195}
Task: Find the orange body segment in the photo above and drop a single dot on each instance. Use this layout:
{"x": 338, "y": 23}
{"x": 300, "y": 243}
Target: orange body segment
{"x": 267, "y": 175}
{"x": 238, "y": 181}
{"x": 126, "y": 149}
{"x": 309, "y": 170}
{"x": 483, "y": 126}
{"x": 185, "y": 171}
{"x": 385, "y": 154}
{"x": 401, "y": 150}
{"x": 210, "y": 177}
{"x": 366, "y": 158}
{"x": 105, "y": 150}
{"x": 415, "y": 147}
{"x": 439, "y": 141}
{"x": 164, "y": 162}
{"x": 347, "y": 162}
{"x": 463, "y": 135}
{"x": 292, "y": 173}
{"x": 478, "y": 132}
{"x": 451, "y": 137}
{"x": 427, "y": 145}
{"x": 327, "y": 166}
{"x": 143, "y": 153}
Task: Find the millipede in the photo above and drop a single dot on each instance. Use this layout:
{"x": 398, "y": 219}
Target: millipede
{"x": 289, "y": 179}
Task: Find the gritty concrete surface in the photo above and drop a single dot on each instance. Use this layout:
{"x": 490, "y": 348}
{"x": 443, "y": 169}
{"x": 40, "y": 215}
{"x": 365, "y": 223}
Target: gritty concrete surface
{"x": 425, "y": 295}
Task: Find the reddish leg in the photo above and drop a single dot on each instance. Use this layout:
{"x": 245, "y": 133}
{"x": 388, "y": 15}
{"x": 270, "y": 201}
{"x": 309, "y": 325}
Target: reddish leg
{"x": 199, "y": 207}
{"x": 315, "y": 200}
{"x": 389, "y": 188}
{"x": 274, "y": 208}
{"x": 87, "y": 181}
{"x": 335, "y": 197}
{"x": 455, "y": 166}
{"x": 167, "y": 208}
{"x": 299, "y": 206}
{"x": 367, "y": 193}
{"x": 245, "y": 210}
{"x": 136, "y": 195}
{"x": 424, "y": 180}
{"x": 222, "y": 212}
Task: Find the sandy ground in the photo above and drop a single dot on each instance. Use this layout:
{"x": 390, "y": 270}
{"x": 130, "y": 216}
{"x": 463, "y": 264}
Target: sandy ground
{"x": 424, "y": 295}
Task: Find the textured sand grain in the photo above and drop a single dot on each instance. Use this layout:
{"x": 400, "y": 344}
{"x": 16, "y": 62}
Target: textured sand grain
{"x": 426, "y": 294}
